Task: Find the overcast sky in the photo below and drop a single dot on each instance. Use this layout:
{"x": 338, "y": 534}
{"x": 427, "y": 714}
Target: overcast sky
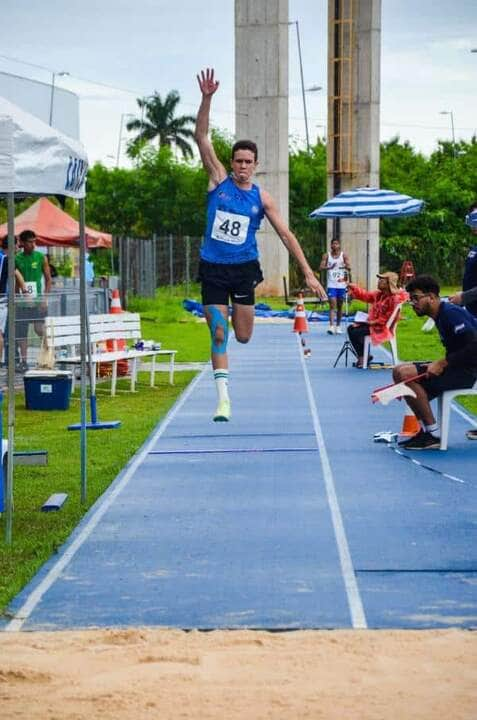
{"x": 148, "y": 45}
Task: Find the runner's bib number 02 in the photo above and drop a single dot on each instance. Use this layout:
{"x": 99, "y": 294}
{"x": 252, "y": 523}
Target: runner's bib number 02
{"x": 337, "y": 275}
{"x": 230, "y": 227}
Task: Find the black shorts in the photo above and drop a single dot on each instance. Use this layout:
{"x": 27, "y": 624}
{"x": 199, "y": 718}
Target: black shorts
{"x": 236, "y": 281}
{"x": 450, "y": 379}
{"x": 26, "y": 314}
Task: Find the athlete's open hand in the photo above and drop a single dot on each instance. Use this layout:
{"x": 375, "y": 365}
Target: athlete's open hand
{"x": 207, "y": 83}
{"x": 315, "y": 286}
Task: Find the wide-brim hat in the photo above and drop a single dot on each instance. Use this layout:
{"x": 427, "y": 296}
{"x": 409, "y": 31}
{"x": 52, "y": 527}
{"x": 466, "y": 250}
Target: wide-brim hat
{"x": 393, "y": 280}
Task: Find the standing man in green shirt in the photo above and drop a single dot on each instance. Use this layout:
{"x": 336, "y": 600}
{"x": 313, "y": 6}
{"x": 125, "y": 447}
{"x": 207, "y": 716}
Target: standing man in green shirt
{"x": 34, "y": 268}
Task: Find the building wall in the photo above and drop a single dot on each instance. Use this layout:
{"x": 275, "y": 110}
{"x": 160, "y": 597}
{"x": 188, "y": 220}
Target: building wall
{"x": 361, "y": 78}
{"x": 261, "y": 93}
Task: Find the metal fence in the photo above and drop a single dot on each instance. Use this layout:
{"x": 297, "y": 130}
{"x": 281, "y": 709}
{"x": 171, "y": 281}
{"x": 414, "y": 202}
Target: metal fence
{"x": 148, "y": 263}
{"x": 29, "y": 319}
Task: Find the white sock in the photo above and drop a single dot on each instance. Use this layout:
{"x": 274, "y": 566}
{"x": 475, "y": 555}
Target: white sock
{"x": 433, "y": 429}
{"x": 221, "y": 378}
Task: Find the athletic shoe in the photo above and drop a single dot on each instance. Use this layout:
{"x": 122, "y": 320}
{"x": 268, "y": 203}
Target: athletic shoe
{"x": 471, "y": 434}
{"x": 422, "y": 441}
{"x": 331, "y": 330}
{"x": 403, "y": 443}
{"x": 223, "y": 412}
{"x": 338, "y": 330}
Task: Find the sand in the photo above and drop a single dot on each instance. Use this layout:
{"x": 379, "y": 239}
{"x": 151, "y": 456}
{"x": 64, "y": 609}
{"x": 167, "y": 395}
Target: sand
{"x": 171, "y": 674}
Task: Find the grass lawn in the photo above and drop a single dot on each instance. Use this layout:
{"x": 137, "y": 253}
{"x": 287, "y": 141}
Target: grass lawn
{"x": 37, "y": 535}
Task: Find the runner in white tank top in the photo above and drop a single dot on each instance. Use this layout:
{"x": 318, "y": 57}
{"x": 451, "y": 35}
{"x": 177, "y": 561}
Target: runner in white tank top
{"x": 336, "y": 263}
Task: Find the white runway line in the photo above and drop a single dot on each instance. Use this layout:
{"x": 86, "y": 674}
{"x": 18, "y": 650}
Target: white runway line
{"x": 36, "y": 595}
{"x": 358, "y": 617}
{"x": 460, "y": 411}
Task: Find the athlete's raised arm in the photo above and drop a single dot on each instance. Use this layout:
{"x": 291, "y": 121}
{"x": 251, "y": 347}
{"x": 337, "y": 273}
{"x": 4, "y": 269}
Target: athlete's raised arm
{"x": 216, "y": 171}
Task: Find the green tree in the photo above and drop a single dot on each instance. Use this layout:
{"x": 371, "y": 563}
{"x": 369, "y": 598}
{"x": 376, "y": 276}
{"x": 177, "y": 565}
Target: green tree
{"x": 223, "y": 142}
{"x": 158, "y": 120}
{"x": 112, "y": 199}
{"x": 435, "y": 240}
{"x": 307, "y": 191}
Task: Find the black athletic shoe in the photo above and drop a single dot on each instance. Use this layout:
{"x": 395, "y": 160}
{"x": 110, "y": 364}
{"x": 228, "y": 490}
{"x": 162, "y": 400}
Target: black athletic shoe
{"x": 403, "y": 443}
{"x": 422, "y": 441}
{"x": 471, "y": 434}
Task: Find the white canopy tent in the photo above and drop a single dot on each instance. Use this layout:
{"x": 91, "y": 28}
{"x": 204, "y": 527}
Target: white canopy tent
{"x": 36, "y": 159}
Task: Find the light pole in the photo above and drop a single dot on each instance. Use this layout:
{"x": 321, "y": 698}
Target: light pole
{"x": 123, "y": 115}
{"x": 295, "y": 22}
{"x": 449, "y": 112}
{"x": 315, "y": 88}
{"x": 324, "y": 130}
{"x": 52, "y": 95}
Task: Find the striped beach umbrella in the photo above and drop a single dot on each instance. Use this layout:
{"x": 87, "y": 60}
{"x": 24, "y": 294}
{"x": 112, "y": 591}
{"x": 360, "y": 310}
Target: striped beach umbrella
{"x": 471, "y": 219}
{"x": 368, "y": 202}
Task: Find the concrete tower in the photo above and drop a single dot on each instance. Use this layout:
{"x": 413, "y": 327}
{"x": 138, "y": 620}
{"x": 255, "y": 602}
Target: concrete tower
{"x": 261, "y": 95}
{"x": 354, "y": 46}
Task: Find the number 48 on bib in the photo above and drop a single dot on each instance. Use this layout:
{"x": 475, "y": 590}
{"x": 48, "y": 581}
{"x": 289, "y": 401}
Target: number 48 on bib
{"x": 230, "y": 227}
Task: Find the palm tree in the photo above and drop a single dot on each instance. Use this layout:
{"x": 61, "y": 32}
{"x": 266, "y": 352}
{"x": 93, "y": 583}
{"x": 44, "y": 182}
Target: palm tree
{"x": 157, "y": 120}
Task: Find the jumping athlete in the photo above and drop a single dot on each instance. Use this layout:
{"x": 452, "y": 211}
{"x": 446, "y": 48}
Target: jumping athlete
{"x": 229, "y": 266}
{"x": 336, "y": 263}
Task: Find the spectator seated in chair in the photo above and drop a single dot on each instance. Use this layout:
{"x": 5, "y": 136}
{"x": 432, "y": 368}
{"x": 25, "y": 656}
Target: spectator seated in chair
{"x": 383, "y": 303}
{"x": 457, "y": 329}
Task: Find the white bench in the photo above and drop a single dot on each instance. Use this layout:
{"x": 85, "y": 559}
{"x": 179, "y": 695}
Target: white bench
{"x": 63, "y": 335}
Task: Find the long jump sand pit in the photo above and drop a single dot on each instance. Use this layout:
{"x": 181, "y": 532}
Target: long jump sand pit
{"x": 135, "y": 674}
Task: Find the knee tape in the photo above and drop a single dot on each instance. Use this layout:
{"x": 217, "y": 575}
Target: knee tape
{"x": 217, "y": 320}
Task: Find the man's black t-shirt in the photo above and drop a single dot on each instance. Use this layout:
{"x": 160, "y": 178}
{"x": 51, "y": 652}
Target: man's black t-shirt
{"x": 470, "y": 277}
{"x": 458, "y": 332}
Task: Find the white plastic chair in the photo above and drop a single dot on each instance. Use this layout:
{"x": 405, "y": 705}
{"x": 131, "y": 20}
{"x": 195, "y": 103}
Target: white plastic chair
{"x": 391, "y": 324}
{"x": 444, "y": 408}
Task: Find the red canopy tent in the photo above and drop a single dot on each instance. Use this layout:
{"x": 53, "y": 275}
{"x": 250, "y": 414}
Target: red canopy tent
{"x": 53, "y": 226}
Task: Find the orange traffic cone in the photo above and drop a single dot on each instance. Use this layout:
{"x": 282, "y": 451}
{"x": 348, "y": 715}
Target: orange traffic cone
{"x": 112, "y": 345}
{"x": 410, "y": 423}
{"x": 300, "y": 324}
{"x": 115, "y": 303}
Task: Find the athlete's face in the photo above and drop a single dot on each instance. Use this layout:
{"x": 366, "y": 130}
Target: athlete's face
{"x": 422, "y": 302}
{"x": 28, "y": 246}
{"x": 243, "y": 165}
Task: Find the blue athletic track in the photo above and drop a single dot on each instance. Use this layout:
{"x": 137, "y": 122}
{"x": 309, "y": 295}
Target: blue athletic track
{"x": 289, "y": 516}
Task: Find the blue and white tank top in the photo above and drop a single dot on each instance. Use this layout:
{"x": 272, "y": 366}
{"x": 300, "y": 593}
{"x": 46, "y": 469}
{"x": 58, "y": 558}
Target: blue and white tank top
{"x": 336, "y": 272}
{"x": 233, "y": 217}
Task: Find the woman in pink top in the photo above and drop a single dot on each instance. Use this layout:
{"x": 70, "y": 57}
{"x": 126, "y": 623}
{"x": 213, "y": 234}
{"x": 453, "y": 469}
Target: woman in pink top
{"x": 382, "y": 304}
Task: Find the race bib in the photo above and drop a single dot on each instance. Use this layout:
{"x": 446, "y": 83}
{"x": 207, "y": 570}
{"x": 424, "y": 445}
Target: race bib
{"x": 31, "y": 290}
{"x": 337, "y": 275}
{"x": 230, "y": 228}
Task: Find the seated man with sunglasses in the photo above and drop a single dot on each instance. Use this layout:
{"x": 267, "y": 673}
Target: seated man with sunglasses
{"x": 458, "y": 333}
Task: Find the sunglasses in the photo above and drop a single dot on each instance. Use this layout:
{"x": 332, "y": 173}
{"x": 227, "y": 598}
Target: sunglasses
{"x": 415, "y": 298}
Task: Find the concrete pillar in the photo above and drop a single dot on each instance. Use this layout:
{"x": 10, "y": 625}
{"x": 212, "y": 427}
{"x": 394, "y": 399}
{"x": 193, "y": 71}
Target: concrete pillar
{"x": 261, "y": 96}
{"x": 361, "y": 76}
